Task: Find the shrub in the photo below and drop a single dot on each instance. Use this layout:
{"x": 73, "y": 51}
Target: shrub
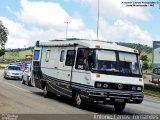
{"x": 145, "y": 65}
{"x": 144, "y": 58}
{"x": 152, "y": 87}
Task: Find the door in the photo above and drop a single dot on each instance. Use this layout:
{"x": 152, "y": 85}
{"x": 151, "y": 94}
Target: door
{"x": 82, "y": 74}
{"x": 66, "y": 62}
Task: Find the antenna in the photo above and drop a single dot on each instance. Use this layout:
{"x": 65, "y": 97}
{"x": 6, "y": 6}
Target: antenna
{"x": 98, "y": 21}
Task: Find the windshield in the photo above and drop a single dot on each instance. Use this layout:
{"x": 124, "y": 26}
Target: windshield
{"x": 14, "y": 68}
{"x": 115, "y": 62}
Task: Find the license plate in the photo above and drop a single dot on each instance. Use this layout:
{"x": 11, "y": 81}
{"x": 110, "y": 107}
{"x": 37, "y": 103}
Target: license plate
{"x": 14, "y": 77}
{"x": 119, "y": 100}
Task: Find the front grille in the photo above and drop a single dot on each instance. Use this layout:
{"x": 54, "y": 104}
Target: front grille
{"x": 15, "y": 73}
{"x": 114, "y": 86}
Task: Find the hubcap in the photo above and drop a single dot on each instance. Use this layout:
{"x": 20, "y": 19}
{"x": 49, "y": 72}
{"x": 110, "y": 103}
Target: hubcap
{"x": 45, "y": 90}
{"x": 78, "y": 99}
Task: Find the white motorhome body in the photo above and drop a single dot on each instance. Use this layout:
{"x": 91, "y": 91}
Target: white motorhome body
{"x": 90, "y": 70}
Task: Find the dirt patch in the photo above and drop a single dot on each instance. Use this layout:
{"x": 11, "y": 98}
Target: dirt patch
{"x": 3, "y": 65}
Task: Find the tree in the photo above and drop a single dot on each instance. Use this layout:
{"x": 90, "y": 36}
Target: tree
{"x": 144, "y": 58}
{"x": 2, "y": 52}
{"x": 3, "y": 38}
{"x": 145, "y": 66}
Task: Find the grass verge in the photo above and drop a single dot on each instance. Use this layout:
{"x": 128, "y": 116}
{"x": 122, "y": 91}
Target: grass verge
{"x": 152, "y": 92}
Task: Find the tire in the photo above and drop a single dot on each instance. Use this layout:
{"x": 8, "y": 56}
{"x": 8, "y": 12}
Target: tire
{"x": 119, "y": 107}
{"x": 78, "y": 100}
{"x": 5, "y": 76}
{"x": 46, "y": 93}
{"x": 23, "y": 82}
{"x": 28, "y": 82}
{"x": 32, "y": 80}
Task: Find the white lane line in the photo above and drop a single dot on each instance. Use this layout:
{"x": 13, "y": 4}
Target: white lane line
{"x": 17, "y": 87}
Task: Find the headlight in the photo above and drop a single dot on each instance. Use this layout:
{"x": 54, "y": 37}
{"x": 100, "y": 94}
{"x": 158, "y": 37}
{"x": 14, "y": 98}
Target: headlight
{"x": 139, "y": 88}
{"x": 105, "y": 85}
{"x": 99, "y": 85}
{"x": 9, "y": 73}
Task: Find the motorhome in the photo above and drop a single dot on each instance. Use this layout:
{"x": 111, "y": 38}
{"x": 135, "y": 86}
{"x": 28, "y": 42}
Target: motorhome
{"x": 89, "y": 71}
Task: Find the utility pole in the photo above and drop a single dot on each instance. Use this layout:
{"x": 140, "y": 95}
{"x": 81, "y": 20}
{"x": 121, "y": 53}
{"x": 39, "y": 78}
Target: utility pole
{"x": 67, "y": 28}
{"x": 98, "y": 21}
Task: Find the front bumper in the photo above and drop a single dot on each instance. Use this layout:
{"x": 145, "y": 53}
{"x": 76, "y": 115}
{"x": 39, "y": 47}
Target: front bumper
{"x": 10, "y": 76}
{"x": 112, "y": 96}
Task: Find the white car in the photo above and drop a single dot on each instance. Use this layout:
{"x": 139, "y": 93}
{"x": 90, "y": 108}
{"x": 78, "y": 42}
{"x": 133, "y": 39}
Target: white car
{"x": 13, "y": 72}
{"x": 26, "y": 78}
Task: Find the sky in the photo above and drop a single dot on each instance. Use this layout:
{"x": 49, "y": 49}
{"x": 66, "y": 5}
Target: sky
{"x": 30, "y": 20}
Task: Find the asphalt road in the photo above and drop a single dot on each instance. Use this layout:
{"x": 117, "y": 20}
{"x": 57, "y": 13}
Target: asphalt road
{"x": 17, "y": 98}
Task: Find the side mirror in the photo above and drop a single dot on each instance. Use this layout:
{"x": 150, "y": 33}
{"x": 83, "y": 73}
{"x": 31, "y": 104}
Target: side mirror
{"x": 26, "y": 70}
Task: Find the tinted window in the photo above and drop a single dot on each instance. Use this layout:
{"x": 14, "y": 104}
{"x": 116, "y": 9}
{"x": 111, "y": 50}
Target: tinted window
{"x": 107, "y": 61}
{"x": 116, "y": 63}
{"x": 82, "y": 59}
{"x": 129, "y": 63}
{"x": 47, "y": 55}
{"x": 62, "y": 56}
{"x": 14, "y": 68}
{"x": 36, "y": 54}
{"x": 70, "y": 57}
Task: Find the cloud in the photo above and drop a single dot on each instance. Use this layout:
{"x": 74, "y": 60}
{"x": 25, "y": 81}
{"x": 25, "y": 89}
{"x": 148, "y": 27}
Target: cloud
{"x": 115, "y": 9}
{"x": 20, "y": 36}
{"x": 47, "y": 14}
{"x": 45, "y": 21}
{"x": 126, "y": 31}
{"x": 42, "y": 21}
{"x": 17, "y": 34}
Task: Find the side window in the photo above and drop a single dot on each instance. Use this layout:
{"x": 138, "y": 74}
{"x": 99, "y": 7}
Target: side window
{"x": 70, "y": 58}
{"x": 62, "y": 56}
{"x": 36, "y": 54}
{"x": 47, "y": 55}
{"x": 82, "y": 59}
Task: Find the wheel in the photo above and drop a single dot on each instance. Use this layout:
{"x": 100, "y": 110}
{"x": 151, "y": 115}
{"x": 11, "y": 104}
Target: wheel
{"x": 23, "y": 82}
{"x": 119, "y": 107}
{"x": 32, "y": 80}
{"x": 4, "y": 76}
{"x": 78, "y": 100}
{"x": 46, "y": 94}
{"x": 28, "y": 82}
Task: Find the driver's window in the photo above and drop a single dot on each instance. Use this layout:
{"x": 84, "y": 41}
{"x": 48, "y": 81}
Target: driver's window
{"x": 82, "y": 59}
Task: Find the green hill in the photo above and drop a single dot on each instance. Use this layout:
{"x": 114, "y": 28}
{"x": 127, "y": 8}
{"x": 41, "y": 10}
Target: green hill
{"x": 20, "y": 53}
{"x": 140, "y": 47}
{"x": 17, "y": 54}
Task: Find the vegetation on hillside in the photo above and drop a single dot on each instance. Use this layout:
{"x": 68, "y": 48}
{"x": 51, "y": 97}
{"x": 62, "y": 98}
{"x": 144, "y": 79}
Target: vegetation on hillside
{"x": 17, "y": 54}
{"x": 146, "y": 53}
{"x": 140, "y": 47}
{"x": 19, "y": 49}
